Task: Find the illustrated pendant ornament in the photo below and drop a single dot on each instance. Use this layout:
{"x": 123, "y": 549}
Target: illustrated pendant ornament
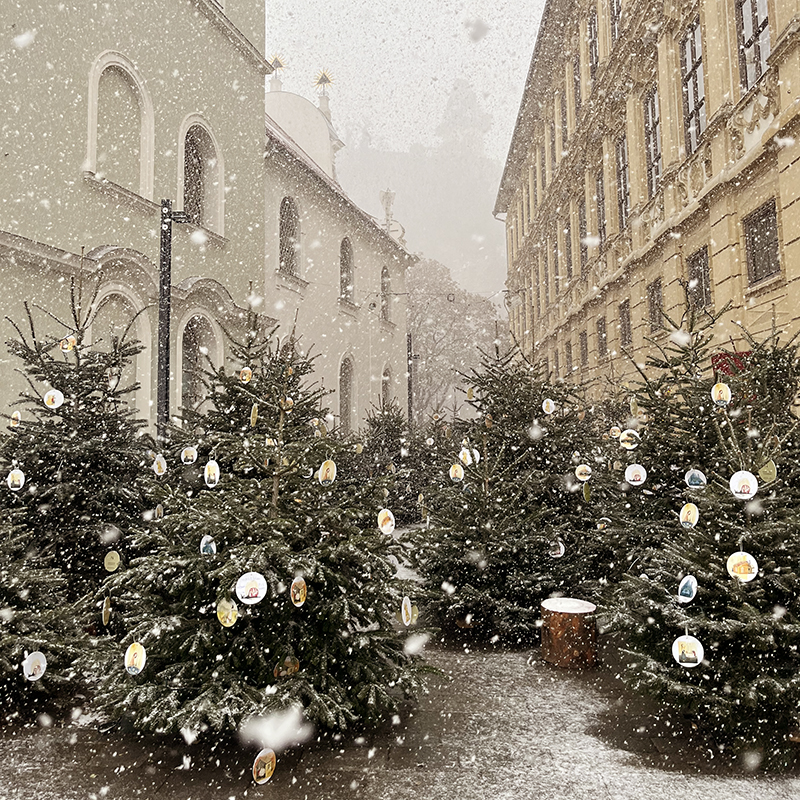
{"x": 695, "y": 479}
{"x": 208, "y": 547}
{"x": 290, "y": 665}
{"x": 456, "y": 473}
{"x": 690, "y": 514}
{"x": 15, "y": 480}
{"x": 111, "y": 561}
{"x": 603, "y": 523}
{"x": 227, "y": 612}
{"x": 327, "y": 473}
{"x": 769, "y": 472}
{"x": 54, "y": 399}
{"x": 251, "y": 588}
{"x": 211, "y": 474}
{"x": 264, "y": 765}
{"x": 742, "y": 566}
{"x": 254, "y": 415}
{"x": 386, "y": 521}
{"x": 16, "y": 418}
{"x": 635, "y": 474}
{"x": 159, "y": 465}
{"x": 629, "y": 439}
{"x": 406, "y": 611}
{"x": 615, "y": 432}
{"x": 548, "y": 406}
{"x": 135, "y": 658}
{"x": 34, "y": 666}
{"x": 246, "y": 375}
{"x": 557, "y": 548}
{"x": 67, "y": 344}
{"x": 188, "y": 455}
{"x": 743, "y": 485}
{"x": 465, "y": 457}
{"x": 583, "y": 472}
{"x": 298, "y": 591}
{"x": 106, "y": 615}
{"x": 688, "y": 651}
{"x": 687, "y": 589}
{"x": 721, "y": 394}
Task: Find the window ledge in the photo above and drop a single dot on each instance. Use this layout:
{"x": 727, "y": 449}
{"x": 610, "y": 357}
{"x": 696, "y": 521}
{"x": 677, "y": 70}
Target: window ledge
{"x": 293, "y": 283}
{"x": 765, "y": 284}
{"x": 388, "y": 325}
{"x": 211, "y": 237}
{"x": 348, "y": 307}
{"x": 119, "y": 192}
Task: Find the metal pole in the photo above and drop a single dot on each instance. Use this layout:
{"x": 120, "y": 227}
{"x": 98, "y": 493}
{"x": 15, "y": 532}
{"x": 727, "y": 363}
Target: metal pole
{"x": 164, "y": 295}
{"x": 410, "y": 356}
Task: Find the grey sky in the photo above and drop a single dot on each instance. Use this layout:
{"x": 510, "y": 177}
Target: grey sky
{"x": 394, "y": 61}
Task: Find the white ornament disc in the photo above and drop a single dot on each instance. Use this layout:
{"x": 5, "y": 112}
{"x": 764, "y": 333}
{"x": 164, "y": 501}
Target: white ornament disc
{"x": 687, "y": 651}
{"x": 456, "y": 473}
{"x": 743, "y": 566}
{"x": 690, "y": 514}
{"x": 744, "y": 484}
{"x": 635, "y": 474}
{"x": 629, "y": 439}
{"x": 251, "y": 588}
{"x": 135, "y": 658}
{"x": 15, "y": 480}
{"x": 188, "y": 455}
{"x": 264, "y": 765}
{"x": 298, "y": 591}
{"x": 159, "y": 465}
{"x": 695, "y": 479}
{"x": 557, "y": 548}
{"x": 208, "y": 547}
{"x": 54, "y": 399}
{"x": 34, "y": 666}
{"x": 406, "y": 611}
{"x": 227, "y": 612}
{"x": 386, "y": 521}
{"x": 548, "y": 406}
{"x": 327, "y": 473}
{"x": 583, "y": 472}
{"x": 211, "y": 474}
{"x": 687, "y": 589}
{"x": 721, "y": 394}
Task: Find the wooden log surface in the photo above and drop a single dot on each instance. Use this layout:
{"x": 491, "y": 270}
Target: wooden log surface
{"x": 569, "y": 633}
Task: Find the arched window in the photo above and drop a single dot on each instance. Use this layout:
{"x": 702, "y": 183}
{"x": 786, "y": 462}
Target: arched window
{"x": 119, "y": 129}
{"x": 346, "y": 271}
{"x": 201, "y": 178}
{"x": 386, "y": 387}
{"x": 346, "y": 395}
{"x": 386, "y": 291}
{"x": 289, "y": 236}
{"x": 198, "y": 341}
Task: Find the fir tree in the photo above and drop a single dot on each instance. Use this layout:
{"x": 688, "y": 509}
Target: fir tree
{"x": 340, "y": 655}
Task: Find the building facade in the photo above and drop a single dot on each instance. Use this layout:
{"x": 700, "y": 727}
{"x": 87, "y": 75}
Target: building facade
{"x": 656, "y": 151}
{"x": 107, "y": 109}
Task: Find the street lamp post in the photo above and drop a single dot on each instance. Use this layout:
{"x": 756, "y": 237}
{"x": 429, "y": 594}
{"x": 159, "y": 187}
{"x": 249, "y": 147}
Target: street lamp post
{"x": 168, "y": 216}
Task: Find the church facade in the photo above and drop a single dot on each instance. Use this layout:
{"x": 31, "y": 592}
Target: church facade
{"x": 110, "y": 108}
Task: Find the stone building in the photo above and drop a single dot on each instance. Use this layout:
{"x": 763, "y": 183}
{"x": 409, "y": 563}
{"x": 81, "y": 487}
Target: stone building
{"x": 107, "y": 108}
{"x": 657, "y": 146}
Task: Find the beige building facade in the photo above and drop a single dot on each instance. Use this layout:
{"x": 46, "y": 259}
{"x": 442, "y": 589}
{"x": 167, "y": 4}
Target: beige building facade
{"x": 657, "y": 147}
{"x": 109, "y": 107}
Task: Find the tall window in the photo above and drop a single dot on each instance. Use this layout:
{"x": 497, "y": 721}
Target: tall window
{"x": 346, "y": 271}
{"x": 386, "y": 387}
{"x": 534, "y": 189}
{"x": 583, "y": 339}
{"x": 553, "y": 158}
{"x": 754, "y": 45}
{"x": 564, "y": 126}
{"x": 591, "y": 37}
{"x": 289, "y": 234}
{"x": 386, "y": 293}
{"x": 346, "y": 395}
{"x": 200, "y": 177}
{"x": 576, "y": 84}
{"x": 555, "y": 261}
{"x": 652, "y": 140}
{"x": 625, "y": 331}
{"x": 538, "y": 289}
{"x": 623, "y": 181}
{"x": 615, "y": 13}
{"x": 655, "y": 302}
{"x": 600, "y": 196}
{"x": 582, "y": 233}
{"x": 699, "y": 278}
{"x": 761, "y": 242}
{"x": 602, "y": 338}
{"x": 119, "y": 129}
{"x": 544, "y": 166}
{"x": 694, "y": 92}
{"x": 556, "y": 363}
{"x": 198, "y": 340}
{"x": 568, "y": 357}
{"x": 568, "y": 247}
{"x": 546, "y": 280}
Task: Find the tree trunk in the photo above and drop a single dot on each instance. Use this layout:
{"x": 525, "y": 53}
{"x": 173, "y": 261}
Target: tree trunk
{"x": 569, "y": 633}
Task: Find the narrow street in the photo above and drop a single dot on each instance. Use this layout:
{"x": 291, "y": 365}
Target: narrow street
{"x": 494, "y": 725}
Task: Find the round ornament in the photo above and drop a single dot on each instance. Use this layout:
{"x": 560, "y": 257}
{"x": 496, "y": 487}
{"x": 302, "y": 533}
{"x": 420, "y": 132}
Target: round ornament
{"x": 690, "y": 514}
{"x": 16, "y": 418}
{"x": 264, "y": 765}
{"x": 34, "y": 666}
{"x": 769, "y": 472}
{"x": 289, "y": 666}
{"x": 287, "y": 404}
{"x": 106, "y": 615}
{"x": 298, "y": 591}
{"x": 188, "y": 455}
{"x": 635, "y": 474}
{"x": 548, "y": 406}
{"x": 456, "y": 473}
{"x": 406, "y": 611}
{"x": 603, "y": 523}
{"x": 67, "y": 344}
{"x": 557, "y": 548}
{"x": 615, "y": 432}
{"x": 211, "y": 474}
{"x": 488, "y": 421}
{"x": 476, "y": 456}
{"x": 327, "y": 473}
{"x": 135, "y": 658}
{"x": 465, "y": 457}
{"x": 15, "y": 480}
{"x": 254, "y": 415}
{"x": 159, "y": 465}
{"x": 111, "y": 561}
{"x": 743, "y": 566}
{"x": 687, "y": 589}
{"x": 54, "y": 399}
{"x": 251, "y": 588}
{"x": 429, "y": 441}
{"x": 721, "y": 394}
{"x": 687, "y": 651}
{"x": 158, "y": 514}
{"x": 271, "y": 442}
{"x": 245, "y": 375}
{"x": 629, "y": 439}
{"x": 743, "y": 485}
{"x": 227, "y": 612}
{"x": 583, "y": 472}
{"x": 208, "y": 547}
{"x": 386, "y": 521}
{"x": 695, "y": 479}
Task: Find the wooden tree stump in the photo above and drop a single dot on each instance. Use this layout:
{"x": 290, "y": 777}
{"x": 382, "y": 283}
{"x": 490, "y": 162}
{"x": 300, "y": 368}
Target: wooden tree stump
{"x": 569, "y": 633}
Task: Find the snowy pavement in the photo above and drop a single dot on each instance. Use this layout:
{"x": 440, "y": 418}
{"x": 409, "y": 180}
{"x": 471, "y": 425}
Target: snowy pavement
{"x": 495, "y": 725}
